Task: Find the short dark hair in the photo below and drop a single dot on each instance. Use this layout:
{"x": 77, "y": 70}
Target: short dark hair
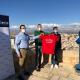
{"x": 21, "y": 26}
{"x": 39, "y": 25}
{"x": 55, "y": 27}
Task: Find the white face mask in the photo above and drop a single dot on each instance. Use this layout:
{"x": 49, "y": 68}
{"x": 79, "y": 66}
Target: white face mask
{"x": 55, "y": 31}
{"x": 23, "y": 30}
{"x": 39, "y": 29}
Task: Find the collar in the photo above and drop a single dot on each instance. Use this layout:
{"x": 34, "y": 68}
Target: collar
{"x": 21, "y": 33}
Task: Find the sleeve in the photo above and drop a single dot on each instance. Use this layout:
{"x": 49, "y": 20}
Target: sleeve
{"x": 17, "y": 42}
{"x": 60, "y": 41}
{"x": 34, "y": 37}
{"x": 78, "y": 41}
{"x": 28, "y": 37}
{"x": 76, "y": 38}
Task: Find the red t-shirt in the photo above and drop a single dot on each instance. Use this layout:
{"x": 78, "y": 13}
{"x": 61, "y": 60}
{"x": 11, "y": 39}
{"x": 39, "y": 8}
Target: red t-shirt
{"x": 48, "y": 43}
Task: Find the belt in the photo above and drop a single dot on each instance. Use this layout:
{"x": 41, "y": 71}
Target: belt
{"x": 24, "y": 48}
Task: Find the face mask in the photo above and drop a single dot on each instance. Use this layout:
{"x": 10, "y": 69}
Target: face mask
{"x": 23, "y": 30}
{"x": 55, "y": 31}
{"x": 39, "y": 29}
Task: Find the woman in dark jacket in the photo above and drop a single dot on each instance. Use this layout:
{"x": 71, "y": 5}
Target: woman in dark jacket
{"x": 55, "y": 58}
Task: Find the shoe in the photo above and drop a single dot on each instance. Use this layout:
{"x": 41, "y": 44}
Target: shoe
{"x": 21, "y": 77}
{"x": 38, "y": 69}
{"x": 27, "y": 73}
{"x": 52, "y": 66}
{"x": 41, "y": 66}
{"x": 56, "y": 66}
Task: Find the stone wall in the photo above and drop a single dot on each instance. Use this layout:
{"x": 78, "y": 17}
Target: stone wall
{"x": 70, "y": 58}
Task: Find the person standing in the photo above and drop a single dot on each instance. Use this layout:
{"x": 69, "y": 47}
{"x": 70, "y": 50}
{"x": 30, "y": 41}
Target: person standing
{"x": 22, "y": 46}
{"x": 55, "y": 57}
{"x": 38, "y": 46}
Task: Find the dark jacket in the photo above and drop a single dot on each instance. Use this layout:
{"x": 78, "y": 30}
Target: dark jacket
{"x": 38, "y": 42}
{"x": 58, "y": 45}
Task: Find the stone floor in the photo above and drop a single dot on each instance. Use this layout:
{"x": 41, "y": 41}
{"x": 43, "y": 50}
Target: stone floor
{"x": 66, "y": 71}
{"x": 46, "y": 73}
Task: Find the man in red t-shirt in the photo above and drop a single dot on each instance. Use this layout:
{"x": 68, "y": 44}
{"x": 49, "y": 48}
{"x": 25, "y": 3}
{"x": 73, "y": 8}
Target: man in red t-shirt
{"x": 48, "y": 43}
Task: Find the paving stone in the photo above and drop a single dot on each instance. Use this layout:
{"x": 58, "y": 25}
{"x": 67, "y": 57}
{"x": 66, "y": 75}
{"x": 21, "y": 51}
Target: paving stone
{"x": 65, "y": 72}
{"x": 62, "y": 78}
{"x": 55, "y": 72}
{"x": 41, "y": 74}
{"x": 36, "y": 78}
{"x": 74, "y": 77}
{"x": 55, "y": 78}
{"x": 46, "y": 70}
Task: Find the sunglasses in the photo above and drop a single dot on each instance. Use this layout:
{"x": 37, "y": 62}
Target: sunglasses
{"x": 23, "y": 28}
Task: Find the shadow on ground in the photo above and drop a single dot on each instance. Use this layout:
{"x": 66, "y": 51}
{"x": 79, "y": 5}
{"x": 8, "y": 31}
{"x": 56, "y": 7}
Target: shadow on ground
{"x": 31, "y": 60}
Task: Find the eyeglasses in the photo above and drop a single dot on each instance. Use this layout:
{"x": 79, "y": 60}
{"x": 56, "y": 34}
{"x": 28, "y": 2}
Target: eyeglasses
{"x": 23, "y": 28}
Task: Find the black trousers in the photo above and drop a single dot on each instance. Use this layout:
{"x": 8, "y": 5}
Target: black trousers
{"x": 55, "y": 57}
{"x": 38, "y": 56}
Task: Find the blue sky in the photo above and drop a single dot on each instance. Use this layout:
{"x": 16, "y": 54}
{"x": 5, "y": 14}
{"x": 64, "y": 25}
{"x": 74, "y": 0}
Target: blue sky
{"x": 41, "y": 11}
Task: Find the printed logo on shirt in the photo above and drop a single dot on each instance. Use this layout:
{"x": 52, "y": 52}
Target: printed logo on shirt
{"x": 49, "y": 41}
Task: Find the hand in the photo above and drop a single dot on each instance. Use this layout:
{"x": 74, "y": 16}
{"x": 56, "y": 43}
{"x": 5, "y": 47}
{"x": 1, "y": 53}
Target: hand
{"x": 41, "y": 34}
{"x": 64, "y": 48}
{"x": 19, "y": 55}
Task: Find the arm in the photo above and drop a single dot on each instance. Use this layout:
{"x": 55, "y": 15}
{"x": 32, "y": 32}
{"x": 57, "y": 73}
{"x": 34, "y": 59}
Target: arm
{"x": 17, "y": 42}
{"x": 60, "y": 41}
{"x": 34, "y": 37}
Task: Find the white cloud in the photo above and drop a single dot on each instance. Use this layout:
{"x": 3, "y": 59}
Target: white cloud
{"x": 14, "y": 26}
{"x": 50, "y": 25}
{"x": 75, "y": 23}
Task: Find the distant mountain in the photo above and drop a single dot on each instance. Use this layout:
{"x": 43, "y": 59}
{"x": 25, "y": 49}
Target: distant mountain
{"x": 70, "y": 28}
